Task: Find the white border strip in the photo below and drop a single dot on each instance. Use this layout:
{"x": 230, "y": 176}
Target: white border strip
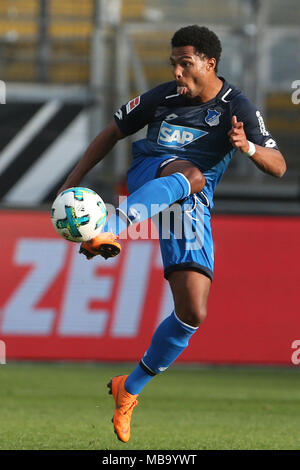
{"x": 147, "y": 367}
{"x": 185, "y": 324}
{"x": 179, "y": 173}
{"x": 172, "y": 96}
{"x": 225, "y": 94}
{"x": 125, "y": 215}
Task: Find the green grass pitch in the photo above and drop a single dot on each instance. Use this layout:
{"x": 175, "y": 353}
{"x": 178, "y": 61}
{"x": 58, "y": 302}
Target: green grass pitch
{"x": 67, "y": 406}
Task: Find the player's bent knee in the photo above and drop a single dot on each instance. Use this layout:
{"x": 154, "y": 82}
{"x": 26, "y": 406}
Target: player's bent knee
{"x": 193, "y": 317}
{"x": 189, "y": 170}
{"x": 196, "y": 179}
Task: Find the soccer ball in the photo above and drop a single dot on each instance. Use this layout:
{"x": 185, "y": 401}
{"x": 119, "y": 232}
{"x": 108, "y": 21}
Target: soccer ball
{"x": 78, "y": 214}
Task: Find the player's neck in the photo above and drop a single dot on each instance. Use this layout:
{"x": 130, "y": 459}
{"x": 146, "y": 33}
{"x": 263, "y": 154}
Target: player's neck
{"x": 210, "y": 90}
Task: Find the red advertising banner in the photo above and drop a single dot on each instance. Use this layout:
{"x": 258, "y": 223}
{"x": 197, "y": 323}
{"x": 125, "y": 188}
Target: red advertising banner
{"x": 54, "y": 304}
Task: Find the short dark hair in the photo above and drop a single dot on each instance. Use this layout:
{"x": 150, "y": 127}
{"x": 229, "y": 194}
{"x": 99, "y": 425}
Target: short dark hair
{"x": 204, "y": 41}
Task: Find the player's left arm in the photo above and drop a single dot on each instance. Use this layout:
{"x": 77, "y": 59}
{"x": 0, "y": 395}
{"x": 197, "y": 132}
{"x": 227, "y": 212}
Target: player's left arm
{"x": 269, "y": 160}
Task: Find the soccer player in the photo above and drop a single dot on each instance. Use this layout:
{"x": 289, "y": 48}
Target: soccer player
{"x": 195, "y": 125}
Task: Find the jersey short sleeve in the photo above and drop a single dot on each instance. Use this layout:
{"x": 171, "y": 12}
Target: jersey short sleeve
{"x": 139, "y": 111}
{"x": 254, "y": 124}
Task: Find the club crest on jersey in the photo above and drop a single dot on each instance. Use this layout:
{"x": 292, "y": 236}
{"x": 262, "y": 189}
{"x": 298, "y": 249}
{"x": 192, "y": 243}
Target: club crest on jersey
{"x": 213, "y": 117}
{"x": 177, "y": 136}
{"x": 132, "y": 104}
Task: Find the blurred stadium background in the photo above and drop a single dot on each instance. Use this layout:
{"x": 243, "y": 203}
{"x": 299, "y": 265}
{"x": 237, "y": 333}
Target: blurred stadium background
{"x": 67, "y": 67}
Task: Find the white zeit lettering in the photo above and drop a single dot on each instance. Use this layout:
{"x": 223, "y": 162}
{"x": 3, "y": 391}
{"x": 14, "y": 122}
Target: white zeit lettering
{"x": 84, "y": 284}
{"x": 47, "y": 258}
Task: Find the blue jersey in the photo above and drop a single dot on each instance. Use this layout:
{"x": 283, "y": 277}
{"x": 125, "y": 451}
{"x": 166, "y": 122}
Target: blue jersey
{"x": 182, "y": 127}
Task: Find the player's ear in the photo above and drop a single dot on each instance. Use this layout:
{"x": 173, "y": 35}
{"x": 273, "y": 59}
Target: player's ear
{"x": 211, "y": 64}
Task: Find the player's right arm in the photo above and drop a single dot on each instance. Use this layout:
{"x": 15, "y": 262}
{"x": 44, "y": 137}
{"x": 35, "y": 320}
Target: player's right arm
{"x": 96, "y": 151}
{"x": 127, "y": 120}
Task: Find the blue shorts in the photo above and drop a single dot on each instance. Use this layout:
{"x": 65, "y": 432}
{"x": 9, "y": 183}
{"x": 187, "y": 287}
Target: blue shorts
{"x": 186, "y": 240}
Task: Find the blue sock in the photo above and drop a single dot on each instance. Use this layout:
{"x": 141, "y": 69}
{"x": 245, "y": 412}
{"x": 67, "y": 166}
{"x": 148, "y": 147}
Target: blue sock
{"x": 150, "y": 199}
{"x": 169, "y": 341}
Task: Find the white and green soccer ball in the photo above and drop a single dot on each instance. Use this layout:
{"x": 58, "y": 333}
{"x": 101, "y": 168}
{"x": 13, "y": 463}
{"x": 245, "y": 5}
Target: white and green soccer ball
{"x": 78, "y": 214}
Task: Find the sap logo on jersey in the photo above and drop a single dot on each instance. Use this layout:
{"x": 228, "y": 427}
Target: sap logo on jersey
{"x": 177, "y": 136}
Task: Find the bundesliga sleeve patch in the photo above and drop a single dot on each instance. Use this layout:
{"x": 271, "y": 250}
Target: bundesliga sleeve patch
{"x": 132, "y": 104}
{"x": 261, "y": 123}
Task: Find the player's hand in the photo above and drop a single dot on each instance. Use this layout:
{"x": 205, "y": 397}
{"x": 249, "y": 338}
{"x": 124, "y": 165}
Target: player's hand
{"x": 61, "y": 189}
{"x": 237, "y": 136}
{"x": 65, "y": 186}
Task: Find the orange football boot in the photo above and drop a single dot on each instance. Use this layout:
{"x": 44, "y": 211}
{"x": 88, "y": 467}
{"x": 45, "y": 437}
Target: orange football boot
{"x": 125, "y": 402}
{"x": 103, "y": 244}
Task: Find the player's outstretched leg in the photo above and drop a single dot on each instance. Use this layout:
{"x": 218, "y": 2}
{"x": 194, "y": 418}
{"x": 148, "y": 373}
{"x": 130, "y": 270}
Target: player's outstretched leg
{"x": 124, "y": 405}
{"x": 155, "y": 196}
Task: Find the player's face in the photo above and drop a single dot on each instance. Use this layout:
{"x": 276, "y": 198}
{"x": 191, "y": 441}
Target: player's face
{"x": 191, "y": 70}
